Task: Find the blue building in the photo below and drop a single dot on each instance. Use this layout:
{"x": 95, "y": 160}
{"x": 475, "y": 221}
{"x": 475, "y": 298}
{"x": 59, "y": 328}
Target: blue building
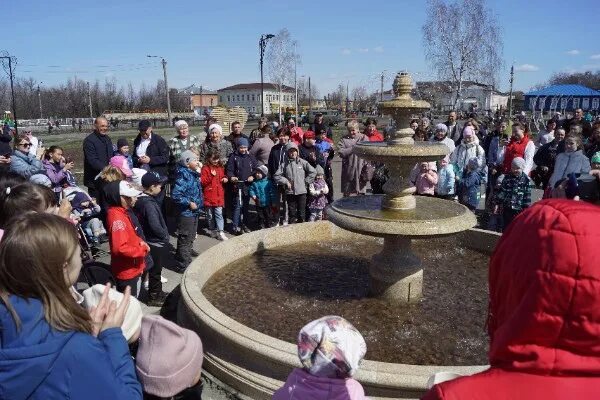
{"x": 563, "y": 98}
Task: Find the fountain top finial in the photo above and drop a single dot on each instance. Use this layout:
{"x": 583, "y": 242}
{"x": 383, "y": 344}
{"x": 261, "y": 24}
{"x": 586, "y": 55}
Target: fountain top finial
{"x": 402, "y": 85}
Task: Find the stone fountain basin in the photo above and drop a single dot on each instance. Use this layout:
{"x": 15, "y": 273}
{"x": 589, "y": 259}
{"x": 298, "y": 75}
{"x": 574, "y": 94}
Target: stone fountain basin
{"x": 255, "y": 364}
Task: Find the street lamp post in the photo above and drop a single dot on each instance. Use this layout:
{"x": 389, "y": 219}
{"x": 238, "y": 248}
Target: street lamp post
{"x": 262, "y": 44}
{"x": 164, "y": 66}
{"x": 12, "y": 92}
{"x": 40, "y": 100}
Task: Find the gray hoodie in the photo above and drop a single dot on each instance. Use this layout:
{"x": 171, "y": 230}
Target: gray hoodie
{"x": 298, "y": 172}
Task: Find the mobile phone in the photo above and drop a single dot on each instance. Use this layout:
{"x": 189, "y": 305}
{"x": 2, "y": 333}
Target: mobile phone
{"x": 7, "y": 155}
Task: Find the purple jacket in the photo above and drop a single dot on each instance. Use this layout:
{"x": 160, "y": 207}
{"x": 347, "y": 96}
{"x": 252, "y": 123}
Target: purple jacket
{"x": 300, "y": 385}
{"x": 56, "y": 174}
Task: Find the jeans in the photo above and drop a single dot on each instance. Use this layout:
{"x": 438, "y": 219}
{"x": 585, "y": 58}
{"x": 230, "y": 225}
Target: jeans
{"x": 159, "y": 253}
{"x": 297, "y": 207}
{"x": 186, "y": 233}
{"x": 214, "y": 215}
{"x": 135, "y": 284}
{"x": 93, "y": 228}
{"x": 315, "y": 214}
{"x": 241, "y": 203}
{"x": 264, "y": 216}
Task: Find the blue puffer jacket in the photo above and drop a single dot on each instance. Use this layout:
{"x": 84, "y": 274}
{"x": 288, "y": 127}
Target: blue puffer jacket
{"x": 38, "y": 362}
{"x": 187, "y": 189}
{"x": 26, "y": 164}
{"x": 264, "y": 191}
{"x": 469, "y": 188}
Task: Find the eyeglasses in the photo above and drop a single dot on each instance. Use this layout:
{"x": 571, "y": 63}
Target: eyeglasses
{"x": 25, "y": 144}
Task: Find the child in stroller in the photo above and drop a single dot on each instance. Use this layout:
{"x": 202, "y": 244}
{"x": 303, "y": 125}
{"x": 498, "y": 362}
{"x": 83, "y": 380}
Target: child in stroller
{"x": 87, "y": 211}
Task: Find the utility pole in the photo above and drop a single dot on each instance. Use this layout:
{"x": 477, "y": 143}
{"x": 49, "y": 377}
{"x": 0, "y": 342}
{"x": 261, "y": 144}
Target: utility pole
{"x": 309, "y": 98}
{"x": 40, "y": 100}
{"x": 12, "y": 92}
{"x": 510, "y": 94}
{"x": 381, "y": 96}
{"x": 347, "y": 96}
{"x": 296, "y": 83}
{"x": 164, "y": 66}
{"x": 90, "y": 100}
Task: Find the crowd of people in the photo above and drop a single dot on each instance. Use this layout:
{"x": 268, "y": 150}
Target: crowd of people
{"x": 97, "y": 344}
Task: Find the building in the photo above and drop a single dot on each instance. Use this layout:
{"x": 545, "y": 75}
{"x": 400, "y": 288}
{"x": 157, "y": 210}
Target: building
{"x": 474, "y": 96}
{"x": 248, "y": 96}
{"x": 200, "y": 97}
{"x": 563, "y": 98}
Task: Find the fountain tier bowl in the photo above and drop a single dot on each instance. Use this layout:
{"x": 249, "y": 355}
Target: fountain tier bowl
{"x": 255, "y": 364}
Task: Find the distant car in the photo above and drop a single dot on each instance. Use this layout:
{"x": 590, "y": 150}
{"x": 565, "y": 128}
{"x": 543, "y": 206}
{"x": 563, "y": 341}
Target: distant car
{"x": 330, "y": 117}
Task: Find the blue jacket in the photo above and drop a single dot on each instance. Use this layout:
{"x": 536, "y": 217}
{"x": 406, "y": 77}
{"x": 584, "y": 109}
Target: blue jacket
{"x": 446, "y": 180}
{"x": 264, "y": 191}
{"x": 469, "y": 188}
{"x": 38, "y": 362}
{"x": 186, "y": 190}
{"x": 26, "y": 164}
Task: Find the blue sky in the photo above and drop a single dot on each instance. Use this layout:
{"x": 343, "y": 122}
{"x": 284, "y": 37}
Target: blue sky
{"x": 215, "y": 43}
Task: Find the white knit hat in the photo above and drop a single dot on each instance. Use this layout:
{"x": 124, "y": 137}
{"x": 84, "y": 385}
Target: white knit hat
{"x": 180, "y": 123}
{"x": 217, "y": 127}
{"x": 133, "y": 318}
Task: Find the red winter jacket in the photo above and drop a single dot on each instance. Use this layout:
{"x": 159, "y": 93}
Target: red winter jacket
{"x": 212, "y": 187}
{"x": 127, "y": 251}
{"x": 544, "y": 321}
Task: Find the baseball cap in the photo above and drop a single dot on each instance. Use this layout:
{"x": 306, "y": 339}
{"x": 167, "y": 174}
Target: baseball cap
{"x": 125, "y": 189}
{"x": 309, "y": 135}
{"x": 152, "y": 178}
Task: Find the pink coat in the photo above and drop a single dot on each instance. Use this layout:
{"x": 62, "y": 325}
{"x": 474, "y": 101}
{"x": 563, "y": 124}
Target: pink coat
{"x": 300, "y": 385}
{"x": 426, "y": 182}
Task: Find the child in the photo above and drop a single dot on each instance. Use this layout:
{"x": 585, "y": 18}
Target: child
{"x": 295, "y": 174}
{"x": 213, "y": 178}
{"x": 127, "y": 248}
{"x": 262, "y": 191}
{"x": 318, "y": 195}
{"x": 52, "y": 348}
{"x": 495, "y": 221}
{"x": 187, "y": 195}
{"x": 446, "y": 180}
{"x": 123, "y": 150}
{"x": 240, "y": 167}
{"x": 514, "y": 194}
{"x": 469, "y": 186}
{"x": 156, "y": 234}
{"x": 169, "y": 360}
{"x": 427, "y": 179}
{"x": 86, "y": 210}
{"x": 330, "y": 350}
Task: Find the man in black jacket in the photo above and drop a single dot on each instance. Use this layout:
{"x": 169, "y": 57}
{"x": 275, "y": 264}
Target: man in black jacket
{"x": 151, "y": 152}
{"x": 97, "y": 151}
{"x": 578, "y": 120}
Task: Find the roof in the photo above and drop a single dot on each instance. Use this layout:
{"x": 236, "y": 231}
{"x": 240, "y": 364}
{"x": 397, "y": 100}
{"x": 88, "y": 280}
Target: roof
{"x": 193, "y": 89}
{"x": 256, "y": 86}
{"x": 564, "y": 90}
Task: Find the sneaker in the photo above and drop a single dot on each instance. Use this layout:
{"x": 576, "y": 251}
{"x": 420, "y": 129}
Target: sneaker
{"x": 195, "y": 253}
{"x": 156, "y": 299}
{"x": 221, "y": 236}
{"x": 146, "y": 285}
{"x": 285, "y": 223}
{"x": 163, "y": 279}
{"x": 237, "y": 231}
{"x": 246, "y": 229}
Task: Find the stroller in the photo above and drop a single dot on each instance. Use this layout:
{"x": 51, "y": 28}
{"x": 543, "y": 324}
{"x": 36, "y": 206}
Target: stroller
{"x": 93, "y": 271}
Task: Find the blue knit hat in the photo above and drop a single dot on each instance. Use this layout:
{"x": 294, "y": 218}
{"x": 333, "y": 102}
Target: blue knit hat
{"x": 242, "y": 142}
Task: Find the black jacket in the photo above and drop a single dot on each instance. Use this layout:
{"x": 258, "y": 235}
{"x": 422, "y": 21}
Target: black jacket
{"x": 316, "y": 159}
{"x": 151, "y": 219}
{"x": 158, "y": 151}
{"x": 586, "y": 127}
{"x": 97, "y": 152}
{"x": 546, "y": 155}
{"x": 277, "y": 156}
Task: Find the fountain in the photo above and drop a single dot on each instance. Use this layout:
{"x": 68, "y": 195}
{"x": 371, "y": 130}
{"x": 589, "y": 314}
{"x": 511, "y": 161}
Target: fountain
{"x": 398, "y": 215}
{"x": 238, "y": 295}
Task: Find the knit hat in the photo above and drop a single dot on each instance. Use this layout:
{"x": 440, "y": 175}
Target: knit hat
{"x": 292, "y": 146}
{"x": 133, "y": 317}
{"x": 331, "y": 347}
{"x": 474, "y": 163}
{"x": 468, "y": 132}
{"x": 320, "y": 170}
{"x": 242, "y": 142}
{"x": 187, "y": 157}
{"x": 137, "y": 174}
{"x": 263, "y": 170}
{"x": 217, "y": 127}
{"x": 169, "y": 357}
{"x": 309, "y": 135}
{"x": 122, "y": 142}
{"x": 596, "y": 158}
{"x": 518, "y": 162}
{"x": 121, "y": 163}
{"x": 441, "y": 127}
{"x": 41, "y": 179}
{"x": 181, "y": 123}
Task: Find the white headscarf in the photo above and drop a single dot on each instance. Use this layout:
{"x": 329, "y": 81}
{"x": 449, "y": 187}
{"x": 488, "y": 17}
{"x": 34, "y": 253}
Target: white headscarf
{"x": 217, "y": 127}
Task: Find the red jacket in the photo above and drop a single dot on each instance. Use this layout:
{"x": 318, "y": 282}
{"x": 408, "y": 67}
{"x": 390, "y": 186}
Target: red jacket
{"x": 513, "y": 150}
{"x": 212, "y": 187}
{"x": 375, "y": 136}
{"x": 544, "y": 319}
{"x": 127, "y": 251}
{"x": 296, "y": 134}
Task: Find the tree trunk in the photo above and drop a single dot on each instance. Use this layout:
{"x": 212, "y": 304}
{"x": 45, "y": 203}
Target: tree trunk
{"x": 280, "y": 98}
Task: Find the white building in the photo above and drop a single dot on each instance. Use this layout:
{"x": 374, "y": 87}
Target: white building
{"x": 248, "y": 96}
{"x": 474, "y": 96}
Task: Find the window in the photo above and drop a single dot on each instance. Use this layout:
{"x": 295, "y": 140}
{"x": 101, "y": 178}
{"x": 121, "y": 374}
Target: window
{"x": 563, "y": 103}
{"x": 220, "y": 99}
{"x": 228, "y": 99}
{"x": 238, "y": 97}
{"x": 575, "y": 103}
{"x": 253, "y": 107}
{"x": 595, "y": 103}
{"x": 553, "y": 103}
{"x": 532, "y": 103}
{"x": 252, "y": 97}
{"x": 211, "y": 102}
{"x": 585, "y": 104}
{"x": 542, "y": 103}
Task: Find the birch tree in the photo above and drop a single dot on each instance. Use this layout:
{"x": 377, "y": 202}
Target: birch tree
{"x": 462, "y": 41}
{"x": 281, "y": 58}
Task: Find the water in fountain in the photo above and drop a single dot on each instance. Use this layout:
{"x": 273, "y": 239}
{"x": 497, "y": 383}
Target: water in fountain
{"x": 306, "y": 281}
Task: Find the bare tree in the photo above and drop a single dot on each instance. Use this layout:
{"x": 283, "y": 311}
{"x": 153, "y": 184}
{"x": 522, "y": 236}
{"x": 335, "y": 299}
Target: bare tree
{"x": 281, "y": 57}
{"x": 303, "y": 95}
{"x": 462, "y": 41}
{"x": 335, "y": 99}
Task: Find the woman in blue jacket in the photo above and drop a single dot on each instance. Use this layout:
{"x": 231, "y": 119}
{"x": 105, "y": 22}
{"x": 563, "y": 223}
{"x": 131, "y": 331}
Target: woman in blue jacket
{"x": 50, "y": 347}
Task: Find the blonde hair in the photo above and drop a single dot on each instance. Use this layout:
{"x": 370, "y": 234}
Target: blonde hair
{"x": 352, "y": 125}
{"x": 111, "y": 174}
{"x": 33, "y": 253}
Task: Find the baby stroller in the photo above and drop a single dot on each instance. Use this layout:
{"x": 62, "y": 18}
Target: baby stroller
{"x": 93, "y": 271}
